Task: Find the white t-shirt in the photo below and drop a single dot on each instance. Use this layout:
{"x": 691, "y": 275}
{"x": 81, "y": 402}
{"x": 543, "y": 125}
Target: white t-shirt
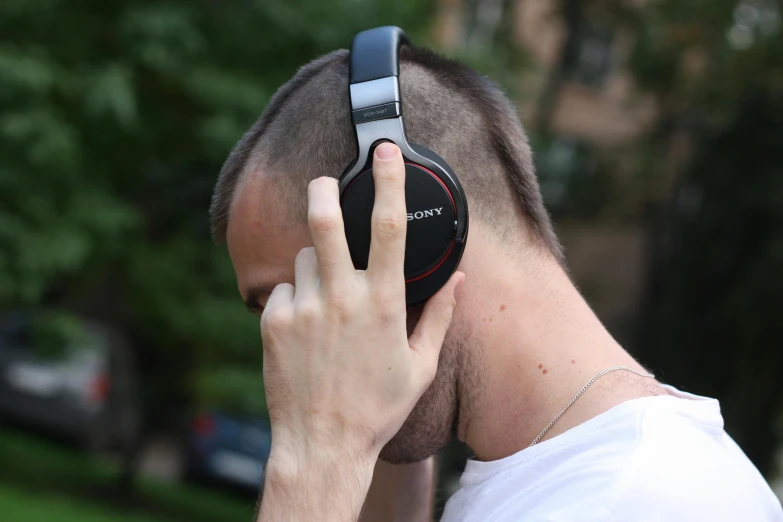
{"x": 661, "y": 458}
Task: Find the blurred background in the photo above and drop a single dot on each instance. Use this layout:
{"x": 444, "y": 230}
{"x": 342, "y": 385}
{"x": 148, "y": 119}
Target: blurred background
{"x": 130, "y": 373}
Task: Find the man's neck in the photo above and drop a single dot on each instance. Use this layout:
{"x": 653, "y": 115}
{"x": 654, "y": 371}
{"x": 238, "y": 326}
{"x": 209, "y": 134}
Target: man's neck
{"x": 537, "y": 342}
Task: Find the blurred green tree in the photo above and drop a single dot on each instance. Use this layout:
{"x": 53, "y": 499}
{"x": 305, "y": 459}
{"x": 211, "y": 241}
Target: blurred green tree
{"x": 114, "y": 120}
{"x": 711, "y": 322}
{"x": 709, "y": 181}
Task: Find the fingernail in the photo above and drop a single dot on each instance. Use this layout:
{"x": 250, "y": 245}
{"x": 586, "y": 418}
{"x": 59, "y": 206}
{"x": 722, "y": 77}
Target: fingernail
{"x": 386, "y": 151}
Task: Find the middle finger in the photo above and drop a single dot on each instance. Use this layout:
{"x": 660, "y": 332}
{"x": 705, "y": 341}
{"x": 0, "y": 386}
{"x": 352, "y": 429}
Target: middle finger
{"x": 389, "y": 223}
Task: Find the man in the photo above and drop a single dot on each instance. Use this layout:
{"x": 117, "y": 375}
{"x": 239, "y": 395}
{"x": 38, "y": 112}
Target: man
{"x": 507, "y": 356}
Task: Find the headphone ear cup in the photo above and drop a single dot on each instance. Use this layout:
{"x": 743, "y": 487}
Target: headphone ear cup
{"x": 436, "y": 219}
{"x": 430, "y": 219}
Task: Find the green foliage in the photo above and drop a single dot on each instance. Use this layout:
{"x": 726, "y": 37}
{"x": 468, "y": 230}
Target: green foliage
{"x": 236, "y": 390}
{"x": 42, "y": 480}
{"x": 712, "y": 322}
{"x": 686, "y": 52}
{"x": 23, "y": 506}
{"x": 54, "y": 332}
{"x": 114, "y": 121}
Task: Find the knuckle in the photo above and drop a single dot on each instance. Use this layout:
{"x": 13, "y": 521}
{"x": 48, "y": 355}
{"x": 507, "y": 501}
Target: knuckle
{"x": 387, "y": 316}
{"x": 390, "y": 225}
{"x": 309, "y": 311}
{"x": 276, "y": 321}
{"x": 338, "y": 305}
{"x": 324, "y": 221}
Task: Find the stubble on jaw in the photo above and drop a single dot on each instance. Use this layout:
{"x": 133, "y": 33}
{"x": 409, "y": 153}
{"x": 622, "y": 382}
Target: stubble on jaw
{"x": 434, "y": 421}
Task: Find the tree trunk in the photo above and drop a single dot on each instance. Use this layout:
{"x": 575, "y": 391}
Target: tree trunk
{"x": 573, "y": 18}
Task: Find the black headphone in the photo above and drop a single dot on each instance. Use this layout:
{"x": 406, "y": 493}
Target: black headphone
{"x": 437, "y": 206}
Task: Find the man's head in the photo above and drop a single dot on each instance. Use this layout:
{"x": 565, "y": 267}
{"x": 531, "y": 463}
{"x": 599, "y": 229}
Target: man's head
{"x": 260, "y": 206}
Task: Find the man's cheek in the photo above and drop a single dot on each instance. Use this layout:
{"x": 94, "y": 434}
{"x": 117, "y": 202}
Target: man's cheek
{"x": 414, "y": 314}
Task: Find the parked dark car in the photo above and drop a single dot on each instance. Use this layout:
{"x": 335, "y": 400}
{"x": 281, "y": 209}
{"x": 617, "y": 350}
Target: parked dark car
{"x": 229, "y": 448}
{"x": 84, "y": 390}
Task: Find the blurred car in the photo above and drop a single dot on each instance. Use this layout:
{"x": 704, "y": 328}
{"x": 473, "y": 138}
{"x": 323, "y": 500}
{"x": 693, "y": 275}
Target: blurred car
{"x": 84, "y": 390}
{"x": 229, "y": 448}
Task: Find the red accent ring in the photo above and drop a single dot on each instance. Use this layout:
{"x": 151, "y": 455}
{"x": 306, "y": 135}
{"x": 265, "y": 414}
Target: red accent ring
{"x": 453, "y": 209}
{"x": 443, "y": 260}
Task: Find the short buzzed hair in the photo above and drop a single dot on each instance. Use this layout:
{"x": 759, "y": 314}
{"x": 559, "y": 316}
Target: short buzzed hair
{"x": 305, "y": 132}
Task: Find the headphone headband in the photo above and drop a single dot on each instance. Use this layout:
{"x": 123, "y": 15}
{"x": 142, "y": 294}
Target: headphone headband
{"x": 374, "y": 72}
{"x": 375, "y": 54}
{"x": 437, "y": 206}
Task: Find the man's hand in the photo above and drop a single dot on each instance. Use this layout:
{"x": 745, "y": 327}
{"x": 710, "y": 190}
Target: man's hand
{"x": 340, "y": 372}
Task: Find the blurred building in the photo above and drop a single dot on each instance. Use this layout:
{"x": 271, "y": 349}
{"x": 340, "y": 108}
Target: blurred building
{"x": 575, "y": 89}
{"x": 594, "y": 100}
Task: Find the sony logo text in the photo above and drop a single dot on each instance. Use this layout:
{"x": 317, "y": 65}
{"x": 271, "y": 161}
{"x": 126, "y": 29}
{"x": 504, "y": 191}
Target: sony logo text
{"x": 421, "y": 214}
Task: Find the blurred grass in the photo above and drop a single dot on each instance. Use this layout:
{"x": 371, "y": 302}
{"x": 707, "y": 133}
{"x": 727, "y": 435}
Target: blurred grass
{"x": 23, "y": 506}
{"x": 43, "y": 480}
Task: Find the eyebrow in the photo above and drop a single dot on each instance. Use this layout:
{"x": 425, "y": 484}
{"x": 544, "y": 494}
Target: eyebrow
{"x": 255, "y": 295}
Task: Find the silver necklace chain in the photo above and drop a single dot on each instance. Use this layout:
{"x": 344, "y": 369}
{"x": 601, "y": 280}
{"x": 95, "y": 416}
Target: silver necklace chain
{"x": 579, "y": 394}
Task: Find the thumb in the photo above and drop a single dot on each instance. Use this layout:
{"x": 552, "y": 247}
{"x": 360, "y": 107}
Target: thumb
{"x": 427, "y": 337}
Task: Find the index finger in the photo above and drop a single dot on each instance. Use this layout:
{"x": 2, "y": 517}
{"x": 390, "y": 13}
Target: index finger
{"x": 389, "y": 219}
{"x": 327, "y": 231}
